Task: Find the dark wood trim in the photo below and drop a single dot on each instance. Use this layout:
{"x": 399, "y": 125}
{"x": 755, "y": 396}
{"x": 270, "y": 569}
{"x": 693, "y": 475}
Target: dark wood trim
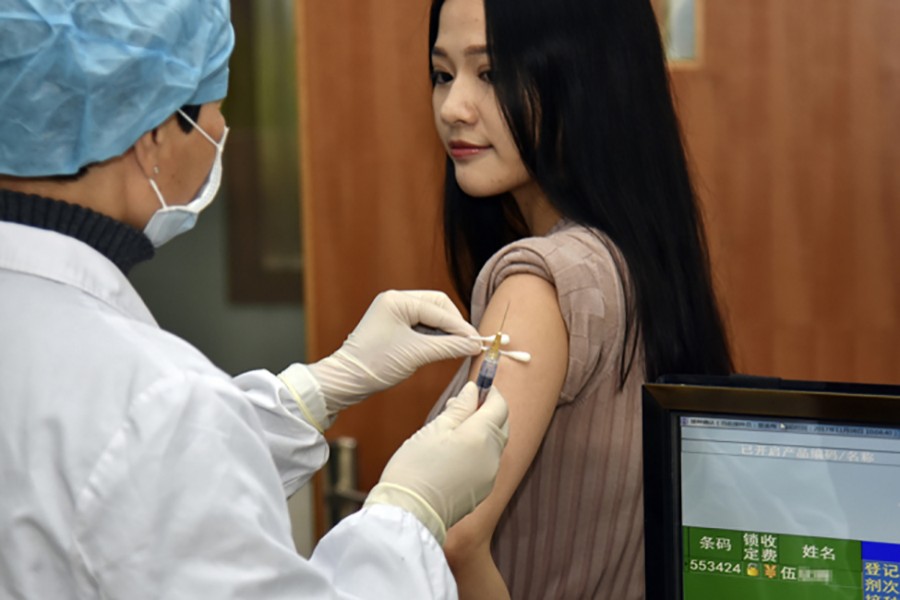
{"x": 249, "y": 279}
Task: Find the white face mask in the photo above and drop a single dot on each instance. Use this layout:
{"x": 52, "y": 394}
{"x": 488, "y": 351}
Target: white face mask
{"x": 170, "y": 221}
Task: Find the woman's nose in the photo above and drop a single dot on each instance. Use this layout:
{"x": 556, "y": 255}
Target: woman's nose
{"x": 458, "y": 106}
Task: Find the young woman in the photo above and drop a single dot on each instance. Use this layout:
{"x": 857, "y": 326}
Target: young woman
{"x": 569, "y": 208}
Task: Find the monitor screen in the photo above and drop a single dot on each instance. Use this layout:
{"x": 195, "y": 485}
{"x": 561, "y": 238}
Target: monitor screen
{"x": 757, "y": 489}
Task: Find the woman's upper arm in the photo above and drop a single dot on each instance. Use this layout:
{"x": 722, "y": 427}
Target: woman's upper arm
{"x": 535, "y": 324}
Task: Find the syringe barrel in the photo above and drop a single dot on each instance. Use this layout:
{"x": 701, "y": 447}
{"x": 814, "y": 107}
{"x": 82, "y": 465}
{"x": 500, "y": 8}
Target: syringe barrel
{"x": 485, "y": 378}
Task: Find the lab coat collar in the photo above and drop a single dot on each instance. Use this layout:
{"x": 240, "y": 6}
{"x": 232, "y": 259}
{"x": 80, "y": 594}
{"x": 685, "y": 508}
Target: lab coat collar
{"x": 58, "y": 257}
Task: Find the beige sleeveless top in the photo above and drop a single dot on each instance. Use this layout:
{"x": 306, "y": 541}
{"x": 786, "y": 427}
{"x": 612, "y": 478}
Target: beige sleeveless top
{"x": 574, "y": 528}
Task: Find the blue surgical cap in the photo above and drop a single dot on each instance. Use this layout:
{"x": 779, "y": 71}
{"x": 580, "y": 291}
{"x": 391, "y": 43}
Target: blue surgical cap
{"x": 82, "y": 80}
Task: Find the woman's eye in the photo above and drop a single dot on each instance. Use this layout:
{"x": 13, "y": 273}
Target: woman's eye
{"x": 487, "y": 76}
{"x": 440, "y": 77}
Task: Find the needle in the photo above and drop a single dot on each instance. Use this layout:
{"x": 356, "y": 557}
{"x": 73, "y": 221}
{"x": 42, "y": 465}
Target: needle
{"x": 503, "y": 320}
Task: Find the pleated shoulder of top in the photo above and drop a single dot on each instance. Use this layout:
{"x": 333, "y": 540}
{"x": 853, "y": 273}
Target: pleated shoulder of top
{"x": 584, "y": 267}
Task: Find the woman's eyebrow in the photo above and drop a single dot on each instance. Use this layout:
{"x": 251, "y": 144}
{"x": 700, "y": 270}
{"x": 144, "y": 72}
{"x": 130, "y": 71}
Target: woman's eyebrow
{"x": 474, "y": 50}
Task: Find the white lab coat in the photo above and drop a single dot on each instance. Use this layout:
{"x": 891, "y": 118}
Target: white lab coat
{"x": 132, "y": 468}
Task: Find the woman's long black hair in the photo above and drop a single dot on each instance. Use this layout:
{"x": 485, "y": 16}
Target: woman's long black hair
{"x": 584, "y": 88}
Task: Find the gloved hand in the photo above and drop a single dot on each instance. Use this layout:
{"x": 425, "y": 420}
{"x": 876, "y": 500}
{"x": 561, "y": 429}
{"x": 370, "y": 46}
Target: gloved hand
{"x": 384, "y": 350}
{"x": 448, "y": 467}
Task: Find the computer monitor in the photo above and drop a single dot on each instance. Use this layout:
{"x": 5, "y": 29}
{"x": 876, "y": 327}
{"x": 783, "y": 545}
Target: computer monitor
{"x": 758, "y": 488}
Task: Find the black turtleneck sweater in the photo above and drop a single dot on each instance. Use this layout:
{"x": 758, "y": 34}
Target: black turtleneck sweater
{"x": 124, "y": 245}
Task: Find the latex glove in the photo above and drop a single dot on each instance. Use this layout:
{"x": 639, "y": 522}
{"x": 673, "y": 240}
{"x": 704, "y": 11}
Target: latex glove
{"x": 448, "y": 467}
{"x": 384, "y": 350}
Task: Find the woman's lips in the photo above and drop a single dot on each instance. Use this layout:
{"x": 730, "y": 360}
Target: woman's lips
{"x": 462, "y": 150}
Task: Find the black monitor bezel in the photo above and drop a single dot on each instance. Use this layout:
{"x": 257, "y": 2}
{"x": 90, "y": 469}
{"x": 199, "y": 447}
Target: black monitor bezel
{"x": 674, "y": 396}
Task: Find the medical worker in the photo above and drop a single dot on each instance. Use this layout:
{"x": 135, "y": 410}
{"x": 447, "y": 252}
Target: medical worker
{"x": 130, "y": 466}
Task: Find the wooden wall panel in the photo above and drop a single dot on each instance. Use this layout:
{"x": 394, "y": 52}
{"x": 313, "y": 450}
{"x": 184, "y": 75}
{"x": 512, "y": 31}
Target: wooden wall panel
{"x": 373, "y": 175}
{"x": 792, "y": 121}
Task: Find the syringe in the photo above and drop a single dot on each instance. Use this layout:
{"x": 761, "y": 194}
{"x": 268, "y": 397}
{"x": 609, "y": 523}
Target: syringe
{"x": 489, "y": 365}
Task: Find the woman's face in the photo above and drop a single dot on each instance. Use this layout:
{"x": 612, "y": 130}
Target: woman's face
{"x": 466, "y": 113}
